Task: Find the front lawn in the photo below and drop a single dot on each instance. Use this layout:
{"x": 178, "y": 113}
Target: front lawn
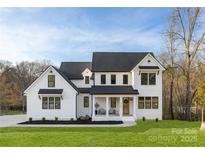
{"x": 148, "y": 133}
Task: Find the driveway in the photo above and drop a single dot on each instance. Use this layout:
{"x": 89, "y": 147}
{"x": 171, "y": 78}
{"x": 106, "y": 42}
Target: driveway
{"x": 11, "y": 120}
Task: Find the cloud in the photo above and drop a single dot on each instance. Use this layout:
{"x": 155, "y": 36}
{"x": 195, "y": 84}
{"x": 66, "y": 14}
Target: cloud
{"x": 57, "y": 42}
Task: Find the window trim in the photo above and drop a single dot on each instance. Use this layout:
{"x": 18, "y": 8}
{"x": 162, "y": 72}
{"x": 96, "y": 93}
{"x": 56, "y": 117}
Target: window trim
{"x": 113, "y": 75}
{"x": 144, "y": 106}
{"x": 111, "y": 102}
{"x": 51, "y": 81}
{"x": 87, "y": 80}
{"x": 101, "y": 78}
{"x": 124, "y": 78}
{"x": 86, "y": 102}
{"x": 148, "y": 78}
{"x": 54, "y": 102}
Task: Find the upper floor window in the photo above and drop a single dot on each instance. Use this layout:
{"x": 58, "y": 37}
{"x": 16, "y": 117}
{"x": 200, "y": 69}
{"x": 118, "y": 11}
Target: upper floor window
{"x": 51, "y": 80}
{"x": 103, "y": 79}
{"x": 86, "y": 101}
{"x": 148, "y": 78}
{"x": 87, "y": 79}
{"x": 125, "y": 79}
{"x": 113, "y": 79}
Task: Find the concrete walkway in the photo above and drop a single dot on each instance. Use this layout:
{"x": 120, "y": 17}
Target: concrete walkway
{"x": 13, "y": 120}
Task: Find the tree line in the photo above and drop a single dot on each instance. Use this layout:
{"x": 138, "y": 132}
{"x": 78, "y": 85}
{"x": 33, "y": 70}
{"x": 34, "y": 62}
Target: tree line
{"x": 14, "y": 79}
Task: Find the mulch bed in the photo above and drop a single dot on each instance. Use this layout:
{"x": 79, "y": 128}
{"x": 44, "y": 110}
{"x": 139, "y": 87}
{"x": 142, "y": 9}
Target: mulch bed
{"x": 78, "y": 122}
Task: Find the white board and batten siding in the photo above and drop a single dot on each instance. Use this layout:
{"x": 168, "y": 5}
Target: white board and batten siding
{"x": 68, "y": 103}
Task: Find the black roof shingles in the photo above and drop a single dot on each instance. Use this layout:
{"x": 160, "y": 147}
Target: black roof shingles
{"x": 73, "y": 70}
{"x": 50, "y": 91}
{"x": 116, "y": 61}
{"x": 113, "y": 90}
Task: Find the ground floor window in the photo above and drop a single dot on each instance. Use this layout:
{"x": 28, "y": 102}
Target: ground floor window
{"x": 113, "y": 102}
{"x": 51, "y": 103}
{"x": 86, "y": 102}
{"x": 148, "y": 102}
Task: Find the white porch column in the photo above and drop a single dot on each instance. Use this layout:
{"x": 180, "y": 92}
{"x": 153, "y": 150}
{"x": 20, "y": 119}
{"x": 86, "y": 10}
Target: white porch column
{"x": 93, "y": 106}
{"x": 134, "y": 106}
{"x": 107, "y": 106}
{"x": 121, "y": 107}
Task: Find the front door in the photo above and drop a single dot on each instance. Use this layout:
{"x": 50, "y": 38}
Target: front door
{"x": 126, "y": 106}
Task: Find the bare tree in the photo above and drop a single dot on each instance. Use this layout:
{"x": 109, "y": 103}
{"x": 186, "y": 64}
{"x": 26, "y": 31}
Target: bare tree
{"x": 27, "y": 72}
{"x": 188, "y": 21}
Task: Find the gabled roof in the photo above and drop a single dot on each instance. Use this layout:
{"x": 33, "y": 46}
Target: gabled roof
{"x": 113, "y": 90}
{"x": 66, "y": 78}
{"x": 116, "y": 61}
{"x": 73, "y": 70}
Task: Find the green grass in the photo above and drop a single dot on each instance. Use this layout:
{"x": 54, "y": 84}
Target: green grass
{"x": 11, "y": 112}
{"x": 148, "y": 133}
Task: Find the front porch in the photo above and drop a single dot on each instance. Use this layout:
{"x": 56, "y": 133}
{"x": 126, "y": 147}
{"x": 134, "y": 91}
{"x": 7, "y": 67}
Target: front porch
{"x": 114, "y": 107}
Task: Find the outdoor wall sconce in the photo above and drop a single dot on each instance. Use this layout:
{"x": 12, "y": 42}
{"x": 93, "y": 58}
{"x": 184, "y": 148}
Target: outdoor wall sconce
{"x": 39, "y": 96}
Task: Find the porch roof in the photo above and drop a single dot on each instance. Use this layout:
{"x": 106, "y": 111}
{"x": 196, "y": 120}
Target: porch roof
{"x": 50, "y": 91}
{"x": 113, "y": 90}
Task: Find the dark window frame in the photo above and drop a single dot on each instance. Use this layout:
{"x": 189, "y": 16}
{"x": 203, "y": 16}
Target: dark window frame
{"x": 141, "y": 105}
{"x": 51, "y": 102}
{"x": 151, "y": 81}
{"x": 113, "y": 102}
{"x": 157, "y": 102}
{"x": 113, "y": 78}
{"x": 86, "y": 101}
{"x": 143, "y": 79}
{"x": 103, "y": 78}
{"x": 125, "y": 78}
{"x": 43, "y": 103}
{"x": 49, "y": 81}
{"x": 87, "y": 80}
{"x": 150, "y": 103}
{"x": 58, "y": 102}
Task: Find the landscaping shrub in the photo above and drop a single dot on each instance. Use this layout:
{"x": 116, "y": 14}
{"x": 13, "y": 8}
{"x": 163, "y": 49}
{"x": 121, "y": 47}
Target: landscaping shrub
{"x": 82, "y": 118}
{"x": 156, "y": 119}
{"x": 56, "y": 118}
{"x": 143, "y": 118}
{"x": 71, "y": 119}
{"x": 43, "y": 119}
{"x": 30, "y": 119}
{"x": 87, "y": 117}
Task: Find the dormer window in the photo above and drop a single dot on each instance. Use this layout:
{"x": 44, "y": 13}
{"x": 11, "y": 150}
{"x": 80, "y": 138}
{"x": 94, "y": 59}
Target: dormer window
{"x": 87, "y": 79}
{"x": 51, "y": 80}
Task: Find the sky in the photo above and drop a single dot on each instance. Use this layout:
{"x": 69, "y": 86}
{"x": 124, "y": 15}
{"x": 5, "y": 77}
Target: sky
{"x": 72, "y": 34}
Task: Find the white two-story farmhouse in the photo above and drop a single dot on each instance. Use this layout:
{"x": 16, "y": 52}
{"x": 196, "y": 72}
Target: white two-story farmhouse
{"x": 122, "y": 86}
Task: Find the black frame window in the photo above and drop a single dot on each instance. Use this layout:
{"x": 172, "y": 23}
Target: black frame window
{"x": 147, "y": 102}
{"x": 152, "y": 78}
{"x": 155, "y": 102}
{"x": 113, "y": 102}
{"x": 51, "y": 102}
{"x": 144, "y": 78}
{"x": 86, "y": 101}
{"x": 51, "y": 80}
{"x": 103, "y": 79}
{"x": 45, "y": 103}
{"x": 140, "y": 102}
{"x": 57, "y": 103}
{"x": 125, "y": 79}
{"x": 87, "y": 79}
{"x": 113, "y": 79}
